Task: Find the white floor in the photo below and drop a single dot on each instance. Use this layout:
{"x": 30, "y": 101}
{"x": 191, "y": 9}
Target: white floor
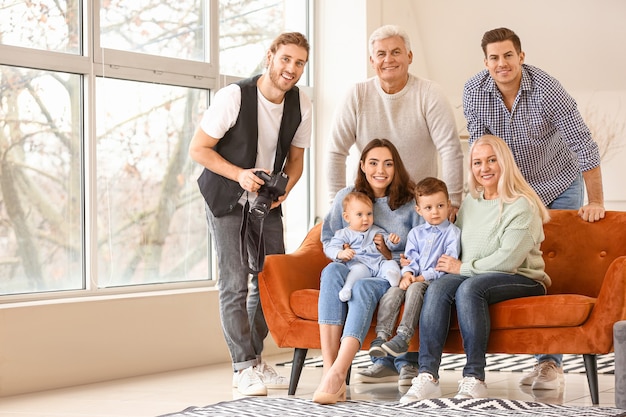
{"x": 174, "y": 391}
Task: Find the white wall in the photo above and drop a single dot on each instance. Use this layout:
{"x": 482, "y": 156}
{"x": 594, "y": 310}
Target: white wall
{"x": 577, "y": 41}
{"x": 340, "y": 60}
{"x": 46, "y": 345}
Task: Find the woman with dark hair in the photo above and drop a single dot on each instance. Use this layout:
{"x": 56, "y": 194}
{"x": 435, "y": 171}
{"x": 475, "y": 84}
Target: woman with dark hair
{"x": 343, "y": 325}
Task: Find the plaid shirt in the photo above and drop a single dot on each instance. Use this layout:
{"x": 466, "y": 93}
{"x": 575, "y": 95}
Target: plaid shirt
{"x": 545, "y": 131}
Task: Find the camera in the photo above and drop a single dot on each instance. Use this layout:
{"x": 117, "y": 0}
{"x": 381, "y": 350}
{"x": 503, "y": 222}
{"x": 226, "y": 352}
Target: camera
{"x": 275, "y": 186}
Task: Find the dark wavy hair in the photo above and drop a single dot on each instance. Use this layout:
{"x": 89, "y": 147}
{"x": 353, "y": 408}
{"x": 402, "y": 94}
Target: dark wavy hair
{"x": 400, "y": 191}
{"x": 500, "y": 35}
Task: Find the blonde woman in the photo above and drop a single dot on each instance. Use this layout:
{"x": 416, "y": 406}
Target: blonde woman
{"x": 502, "y": 229}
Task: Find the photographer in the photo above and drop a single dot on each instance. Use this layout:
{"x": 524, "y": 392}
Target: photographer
{"x": 258, "y": 126}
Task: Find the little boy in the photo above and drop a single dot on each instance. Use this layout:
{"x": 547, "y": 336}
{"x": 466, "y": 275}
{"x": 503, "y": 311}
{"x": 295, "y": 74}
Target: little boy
{"x": 355, "y": 245}
{"x": 425, "y": 244}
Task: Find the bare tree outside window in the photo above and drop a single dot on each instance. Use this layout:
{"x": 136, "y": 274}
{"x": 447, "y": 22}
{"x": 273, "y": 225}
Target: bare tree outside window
{"x": 40, "y": 181}
{"x": 46, "y": 25}
{"x": 149, "y": 222}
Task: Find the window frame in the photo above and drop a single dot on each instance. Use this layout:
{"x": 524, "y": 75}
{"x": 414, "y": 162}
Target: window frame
{"x": 97, "y": 62}
{"x": 144, "y": 67}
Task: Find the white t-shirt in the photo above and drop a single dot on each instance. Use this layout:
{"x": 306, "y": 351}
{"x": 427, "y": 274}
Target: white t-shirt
{"x": 223, "y": 112}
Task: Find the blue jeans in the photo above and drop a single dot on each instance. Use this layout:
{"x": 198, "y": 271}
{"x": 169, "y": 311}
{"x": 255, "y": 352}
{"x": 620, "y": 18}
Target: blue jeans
{"x": 571, "y": 199}
{"x": 472, "y": 297}
{"x": 409, "y": 358}
{"x": 240, "y": 309}
{"x": 355, "y": 315}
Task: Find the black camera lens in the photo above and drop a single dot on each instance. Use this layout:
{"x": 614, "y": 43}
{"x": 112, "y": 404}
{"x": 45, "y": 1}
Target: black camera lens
{"x": 269, "y": 192}
{"x": 261, "y": 207}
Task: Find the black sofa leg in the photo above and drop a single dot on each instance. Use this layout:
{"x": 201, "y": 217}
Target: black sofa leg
{"x": 299, "y": 355}
{"x": 591, "y": 368}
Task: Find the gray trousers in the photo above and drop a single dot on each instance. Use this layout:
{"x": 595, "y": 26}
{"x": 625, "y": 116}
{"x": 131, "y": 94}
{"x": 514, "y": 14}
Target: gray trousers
{"x": 389, "y": 308}
{"x": 240, "y": 309}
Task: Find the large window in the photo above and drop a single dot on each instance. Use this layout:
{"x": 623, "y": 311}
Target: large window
{"x": 99, "y": 100}
{"x": 41, "y": 226}
{"x": 248, "y": 27}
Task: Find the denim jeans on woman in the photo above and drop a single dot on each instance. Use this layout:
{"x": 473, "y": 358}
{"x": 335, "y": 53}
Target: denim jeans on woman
{"x": 472, "y": 297}
{"x": 242, "y": 318}
{"x": 355, "y": 315}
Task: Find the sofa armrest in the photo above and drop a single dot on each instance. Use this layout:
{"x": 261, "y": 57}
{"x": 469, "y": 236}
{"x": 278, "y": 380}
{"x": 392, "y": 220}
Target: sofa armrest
{"x": 610, "y": 306}
{"x": 284, "y": 274}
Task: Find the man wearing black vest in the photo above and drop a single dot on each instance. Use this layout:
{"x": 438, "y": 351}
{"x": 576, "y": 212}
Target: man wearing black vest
{"x": 261, "y": 123}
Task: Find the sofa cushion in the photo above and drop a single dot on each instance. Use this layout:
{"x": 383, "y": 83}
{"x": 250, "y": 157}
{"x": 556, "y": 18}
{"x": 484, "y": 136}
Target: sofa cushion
{"x": 304, "y": 303}
{"x": 559, "y": 310}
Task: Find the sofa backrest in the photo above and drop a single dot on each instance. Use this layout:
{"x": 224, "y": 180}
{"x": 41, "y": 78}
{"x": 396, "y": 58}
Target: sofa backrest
{"x": 578, "y": 253}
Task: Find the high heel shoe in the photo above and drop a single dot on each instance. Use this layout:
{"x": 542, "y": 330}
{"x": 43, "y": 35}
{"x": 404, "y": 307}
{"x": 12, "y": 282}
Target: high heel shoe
{"x": 321, "y": 397}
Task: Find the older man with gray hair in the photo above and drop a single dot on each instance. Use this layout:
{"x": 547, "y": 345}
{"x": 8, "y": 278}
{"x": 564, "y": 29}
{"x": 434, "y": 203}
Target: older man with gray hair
{"x": 416, "y": 116}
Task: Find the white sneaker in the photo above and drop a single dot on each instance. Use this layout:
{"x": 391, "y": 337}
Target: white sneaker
{"x": 530, "y": 377}
{"x": 423, "y": 387}
{"x": 549, "y": 376}
{"x": 248, "y": 382}
{"x": 270, "y": 377}
{"x": 470, "y": 387}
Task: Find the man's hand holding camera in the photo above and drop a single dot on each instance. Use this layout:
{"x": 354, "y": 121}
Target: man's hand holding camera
{"x": 249, "y": 181}
{"x": 269, "y": 188}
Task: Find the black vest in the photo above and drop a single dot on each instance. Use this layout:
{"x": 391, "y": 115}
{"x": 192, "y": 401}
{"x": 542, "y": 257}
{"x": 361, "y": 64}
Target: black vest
{"x": 239, "y": 146}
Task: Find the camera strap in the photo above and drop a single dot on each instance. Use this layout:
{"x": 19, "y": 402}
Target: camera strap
{"x": 251, "y": 241}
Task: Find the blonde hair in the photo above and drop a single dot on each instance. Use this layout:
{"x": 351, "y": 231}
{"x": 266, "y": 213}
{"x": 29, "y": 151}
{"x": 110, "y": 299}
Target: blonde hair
{"x": 512, "y": 184}
{"x": 356, "y": 196}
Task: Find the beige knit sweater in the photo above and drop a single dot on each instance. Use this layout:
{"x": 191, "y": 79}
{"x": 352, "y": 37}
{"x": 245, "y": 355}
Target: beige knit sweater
{"x": 418, "y": 120}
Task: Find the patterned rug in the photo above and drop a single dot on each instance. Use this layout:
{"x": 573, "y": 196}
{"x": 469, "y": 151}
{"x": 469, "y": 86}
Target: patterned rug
{"x": 495, "y": 362}
{"x": 443, "y": 407}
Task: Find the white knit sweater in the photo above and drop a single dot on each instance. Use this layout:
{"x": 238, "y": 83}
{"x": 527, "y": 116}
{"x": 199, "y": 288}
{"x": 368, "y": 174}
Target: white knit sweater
{"x": 418, "y": 120}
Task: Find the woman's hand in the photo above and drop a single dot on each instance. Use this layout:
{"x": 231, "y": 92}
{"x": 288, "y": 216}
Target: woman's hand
{"x": 447, "y": 263}
{"x": 452, "y": 214}
{"x": 345, "y": 254}
{"x": 379, "y": 241}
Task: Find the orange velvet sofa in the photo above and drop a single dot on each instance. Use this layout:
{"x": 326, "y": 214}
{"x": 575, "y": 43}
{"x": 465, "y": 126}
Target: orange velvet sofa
{"x": 586, "y": 262}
